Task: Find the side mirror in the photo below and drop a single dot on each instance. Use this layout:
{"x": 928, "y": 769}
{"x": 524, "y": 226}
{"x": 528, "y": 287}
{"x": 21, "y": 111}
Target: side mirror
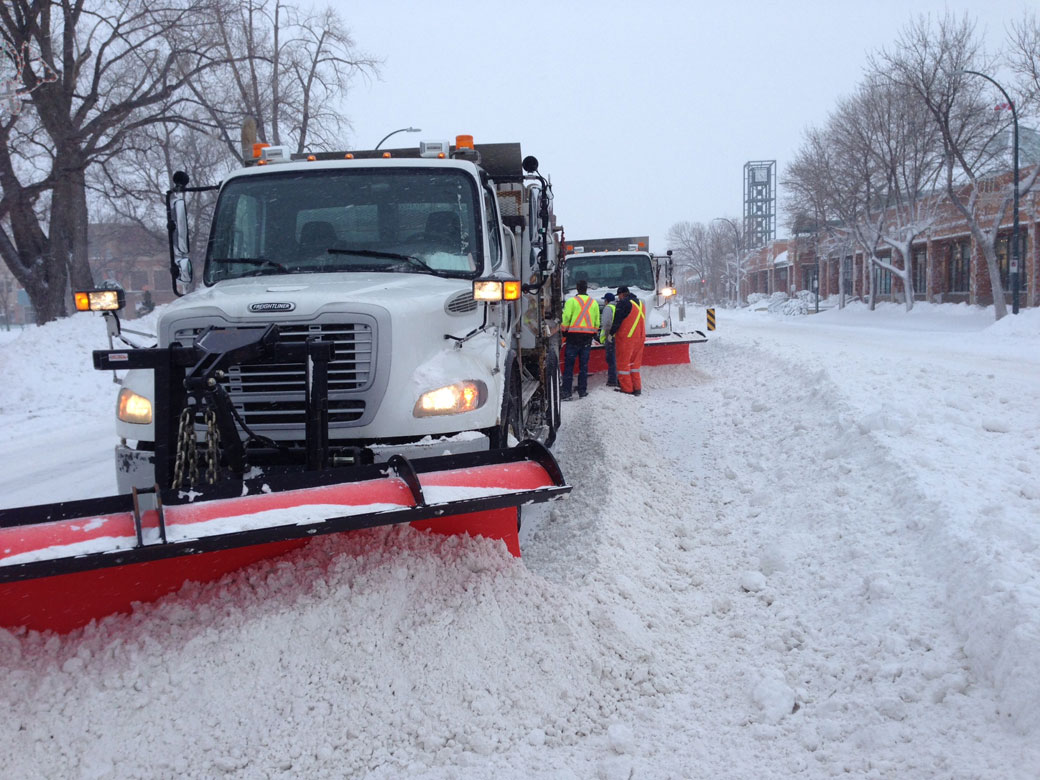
{"x": 180, "y": 240}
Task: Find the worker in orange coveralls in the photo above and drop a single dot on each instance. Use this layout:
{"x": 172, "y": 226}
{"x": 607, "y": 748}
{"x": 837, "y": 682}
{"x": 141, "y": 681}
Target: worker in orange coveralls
{"x": 629, "y": 331}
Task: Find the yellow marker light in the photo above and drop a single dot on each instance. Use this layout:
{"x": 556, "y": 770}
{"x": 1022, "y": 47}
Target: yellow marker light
{"x": 487, "y": 290}
{"x": 134, "y": 408}
{"x": 455, "y": 398}
{"x": 99, "y": 300}
{"x": 511, "y": 291}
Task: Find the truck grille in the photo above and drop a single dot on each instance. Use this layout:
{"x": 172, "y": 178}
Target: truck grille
{"x": 273, "y": 394}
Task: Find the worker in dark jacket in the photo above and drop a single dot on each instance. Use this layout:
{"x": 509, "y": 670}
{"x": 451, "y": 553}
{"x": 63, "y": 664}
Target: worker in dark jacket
{"x": 606, "y": 319}
{"x": 629, "y": 331}
{"x": 580, "y": 324}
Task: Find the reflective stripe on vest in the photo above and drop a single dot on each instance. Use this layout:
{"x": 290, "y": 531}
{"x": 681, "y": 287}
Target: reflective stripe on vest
{"x": 584, "y": 316}
{"x": 638, "y": 307}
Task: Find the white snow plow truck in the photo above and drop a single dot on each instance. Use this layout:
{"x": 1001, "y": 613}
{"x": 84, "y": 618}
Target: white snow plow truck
{"x": 609, "y": 263}
{"x": 373, "y": 342}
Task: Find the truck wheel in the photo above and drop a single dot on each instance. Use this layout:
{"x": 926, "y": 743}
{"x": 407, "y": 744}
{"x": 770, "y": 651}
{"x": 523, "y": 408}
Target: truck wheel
{"x": 552, "y": 399}
{"x": 509, "y": 421}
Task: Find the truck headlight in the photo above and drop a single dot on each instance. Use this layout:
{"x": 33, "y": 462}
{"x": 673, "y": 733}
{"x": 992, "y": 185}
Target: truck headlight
{"x": 134, "y": 408}
{"x": 455, "y": 398}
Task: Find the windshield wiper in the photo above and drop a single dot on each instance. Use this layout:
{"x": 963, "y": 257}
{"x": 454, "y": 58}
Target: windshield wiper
{"x": 262, "y": 263}
{"x": 412, "y": 260}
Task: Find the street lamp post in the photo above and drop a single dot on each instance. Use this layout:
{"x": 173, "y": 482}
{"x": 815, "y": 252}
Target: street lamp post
{"x": 395, "y": 132}
{"x": 737, "y": 249}
{"x": 1014, "y": 224}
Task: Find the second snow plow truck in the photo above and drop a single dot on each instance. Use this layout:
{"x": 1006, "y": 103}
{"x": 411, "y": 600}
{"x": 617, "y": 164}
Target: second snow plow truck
{"x": 372, "y": 344}
{"x": 609, "y": 263}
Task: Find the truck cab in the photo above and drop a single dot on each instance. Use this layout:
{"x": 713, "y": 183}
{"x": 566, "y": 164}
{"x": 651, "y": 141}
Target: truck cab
{"x": 394, "y": 258}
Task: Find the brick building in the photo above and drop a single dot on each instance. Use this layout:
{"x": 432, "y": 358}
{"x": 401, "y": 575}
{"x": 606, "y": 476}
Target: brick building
{"x": 946, "y": 263}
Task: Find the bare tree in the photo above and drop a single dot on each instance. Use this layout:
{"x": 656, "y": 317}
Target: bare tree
{"x": 814, "y": 195}
{"x": 836, "y": 178}
{"x": 119, "y": 66}
{"x": 691, "y": 249}
{"x": 905, "y": 146}
{"x": 933, "y": 60}
{"x": 286, "y": 69}
{"x": 1024, "y": 61}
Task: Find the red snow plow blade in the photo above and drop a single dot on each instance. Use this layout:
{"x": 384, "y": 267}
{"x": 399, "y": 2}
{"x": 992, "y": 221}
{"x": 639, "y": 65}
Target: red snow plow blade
{"x": 63, "y": 565}
{"x": 670, "y": 350}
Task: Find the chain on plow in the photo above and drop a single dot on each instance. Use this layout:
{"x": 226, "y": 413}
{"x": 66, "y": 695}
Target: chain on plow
{"x": 186, "y": 464}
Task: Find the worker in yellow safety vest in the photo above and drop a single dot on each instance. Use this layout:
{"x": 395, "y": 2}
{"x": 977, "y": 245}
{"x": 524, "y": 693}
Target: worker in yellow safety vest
{"x": 629, "y": 331}
{"x": 580, "y": 324}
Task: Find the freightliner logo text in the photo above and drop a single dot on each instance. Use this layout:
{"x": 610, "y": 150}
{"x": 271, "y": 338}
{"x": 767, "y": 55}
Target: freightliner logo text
{"x": 272, "y": 306}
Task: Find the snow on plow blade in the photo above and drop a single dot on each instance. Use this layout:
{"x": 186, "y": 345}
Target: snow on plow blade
{"x": 670, "y": 350}
{"x": 63, "y": 565}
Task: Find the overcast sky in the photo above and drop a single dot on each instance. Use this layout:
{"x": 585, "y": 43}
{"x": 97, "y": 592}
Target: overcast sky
{"x": 643, "y": 114}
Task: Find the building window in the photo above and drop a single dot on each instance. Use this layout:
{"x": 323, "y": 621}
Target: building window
{"x": 960, "y": 266}
{"x": 884, "y": 281}
{"x": 919, "y": 272}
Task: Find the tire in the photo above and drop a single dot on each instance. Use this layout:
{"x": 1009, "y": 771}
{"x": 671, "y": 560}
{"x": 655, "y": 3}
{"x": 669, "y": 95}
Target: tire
{"x": 552, "y": 398}
{"x": 509, "y": 419}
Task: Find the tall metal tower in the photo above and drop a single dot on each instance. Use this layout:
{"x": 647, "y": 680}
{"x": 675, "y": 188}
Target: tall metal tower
{"x": 759, "y": 203}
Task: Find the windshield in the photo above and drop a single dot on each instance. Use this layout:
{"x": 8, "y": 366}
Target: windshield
{"x": 410, "y": 220}
{"x": 609, "y": 270}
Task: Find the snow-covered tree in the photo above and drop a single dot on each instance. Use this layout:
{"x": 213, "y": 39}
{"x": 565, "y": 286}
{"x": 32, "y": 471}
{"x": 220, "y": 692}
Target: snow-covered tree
{"x": 933, "y": 60}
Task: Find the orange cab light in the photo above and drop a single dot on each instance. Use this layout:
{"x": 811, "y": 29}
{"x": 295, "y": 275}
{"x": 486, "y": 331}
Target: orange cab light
{"x": 386, "y": 155}
{"x": 440, "y": 155}
{"x": 311, "y": 158}
{"x": 348, "y": 156}
{"x": 261, "y": 162}
{"x": 257, "y": 147}
{"x": 463, "y": 142}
